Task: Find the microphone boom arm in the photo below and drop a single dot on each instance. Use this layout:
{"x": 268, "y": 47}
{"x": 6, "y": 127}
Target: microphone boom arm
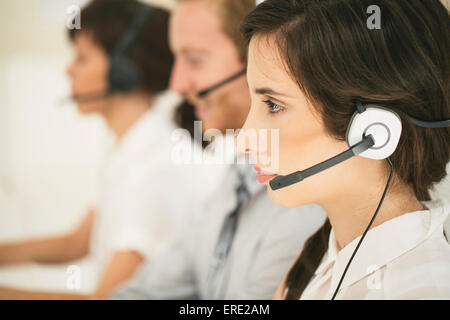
{"x": 285, "y": 181}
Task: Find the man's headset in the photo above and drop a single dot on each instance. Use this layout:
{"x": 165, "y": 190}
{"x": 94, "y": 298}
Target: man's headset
{"x": 123, "y": 75}
{"x": 235, "y": 76}
{"x": 374, "y": 133}
{"x": 207, "y": 91}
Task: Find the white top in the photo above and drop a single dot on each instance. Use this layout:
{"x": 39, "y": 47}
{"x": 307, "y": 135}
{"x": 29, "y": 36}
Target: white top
{"x": 143, "y": 198}
{"x": 267, "y": 241}
{"x": 404, "y": 258}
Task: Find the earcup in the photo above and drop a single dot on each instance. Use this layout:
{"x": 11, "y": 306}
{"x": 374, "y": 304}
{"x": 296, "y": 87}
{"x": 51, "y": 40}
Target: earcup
{"x": 384, "y": 125}
{"x": 124, "y": 75}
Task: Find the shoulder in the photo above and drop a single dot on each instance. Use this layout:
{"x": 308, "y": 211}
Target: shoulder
{"x": 300, "y": 222}
{"x": 421, "y": 273}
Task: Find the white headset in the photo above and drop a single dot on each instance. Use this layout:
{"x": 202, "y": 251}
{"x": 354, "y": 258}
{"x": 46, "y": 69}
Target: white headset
{"x": 384, "y": 125}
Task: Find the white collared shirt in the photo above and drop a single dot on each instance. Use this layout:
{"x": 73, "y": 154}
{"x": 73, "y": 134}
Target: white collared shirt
{"x": 143, "y": 194}
{"x": 404, "y": 258}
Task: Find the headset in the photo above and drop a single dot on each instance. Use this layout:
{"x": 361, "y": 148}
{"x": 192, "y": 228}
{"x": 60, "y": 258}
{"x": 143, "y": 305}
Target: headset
{"x": 123, "y": 74}
{"x": 374, "y": 133}
{"x": 205, "y": 92}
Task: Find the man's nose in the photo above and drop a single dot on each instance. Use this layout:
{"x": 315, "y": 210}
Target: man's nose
{"x": 180, "y": 81}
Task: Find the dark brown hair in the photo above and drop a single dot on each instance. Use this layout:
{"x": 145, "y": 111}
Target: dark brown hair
{"x": 108, "y": 20}
{"x": 336, "y": 59}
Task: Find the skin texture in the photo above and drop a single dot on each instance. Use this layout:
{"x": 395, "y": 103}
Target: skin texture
{"x": 204, "y": 56}
{"x": 88, "y": 73}
{"x": 350, "y": 191}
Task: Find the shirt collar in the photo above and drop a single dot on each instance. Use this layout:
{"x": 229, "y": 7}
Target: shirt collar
{"x": 384, "y": 243}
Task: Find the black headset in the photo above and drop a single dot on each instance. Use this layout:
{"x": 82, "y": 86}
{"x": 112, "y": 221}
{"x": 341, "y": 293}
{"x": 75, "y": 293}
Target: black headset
{"x": 123, "y": 75}
{"x": 222, "y": 83}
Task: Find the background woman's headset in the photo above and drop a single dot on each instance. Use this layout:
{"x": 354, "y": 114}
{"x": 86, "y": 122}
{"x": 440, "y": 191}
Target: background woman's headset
{"x": 123, "y": 75}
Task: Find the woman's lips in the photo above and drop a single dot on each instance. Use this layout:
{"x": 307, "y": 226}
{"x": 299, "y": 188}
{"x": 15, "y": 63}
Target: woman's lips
{"x": 264, "y": 176}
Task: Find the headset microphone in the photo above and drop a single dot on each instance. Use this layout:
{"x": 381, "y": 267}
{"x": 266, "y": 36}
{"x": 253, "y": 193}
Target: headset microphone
{"x": 207, "y": 91}
{"x": 374, "y": 132}
{"x": 88, "y": 97}
{"x": 285, "y": 181}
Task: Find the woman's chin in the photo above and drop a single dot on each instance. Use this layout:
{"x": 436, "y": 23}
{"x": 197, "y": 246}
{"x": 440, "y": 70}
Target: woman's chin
{"x": 284, "y": 198}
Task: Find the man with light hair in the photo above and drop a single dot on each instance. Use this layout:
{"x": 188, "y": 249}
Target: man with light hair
{"x": 241, "y": 244}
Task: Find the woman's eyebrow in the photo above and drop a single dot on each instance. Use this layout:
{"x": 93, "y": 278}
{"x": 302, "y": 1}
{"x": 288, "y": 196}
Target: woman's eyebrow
{"x": 268, "y": 91}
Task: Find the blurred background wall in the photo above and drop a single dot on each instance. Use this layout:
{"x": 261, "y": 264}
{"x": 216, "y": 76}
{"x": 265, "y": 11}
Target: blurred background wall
{"x": 49, "y": 154}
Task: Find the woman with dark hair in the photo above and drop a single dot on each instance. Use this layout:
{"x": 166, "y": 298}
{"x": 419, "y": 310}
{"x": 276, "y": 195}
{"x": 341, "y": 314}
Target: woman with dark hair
{"x": 121, "y": 72}
{"x": 316, "y": 72}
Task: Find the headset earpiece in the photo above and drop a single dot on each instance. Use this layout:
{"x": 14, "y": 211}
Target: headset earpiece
{"x": 383, "y": 125}
{"x": 124, "y": 75}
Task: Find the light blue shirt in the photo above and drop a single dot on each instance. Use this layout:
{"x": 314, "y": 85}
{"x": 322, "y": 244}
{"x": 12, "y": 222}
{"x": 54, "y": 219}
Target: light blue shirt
{"x": 268, "y": 239}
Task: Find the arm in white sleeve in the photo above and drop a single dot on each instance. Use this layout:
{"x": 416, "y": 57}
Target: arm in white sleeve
{"x": 168, "y": 276}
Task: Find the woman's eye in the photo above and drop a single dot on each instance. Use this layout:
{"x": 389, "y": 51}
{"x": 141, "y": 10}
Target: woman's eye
{"x": 273, "y": 107}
